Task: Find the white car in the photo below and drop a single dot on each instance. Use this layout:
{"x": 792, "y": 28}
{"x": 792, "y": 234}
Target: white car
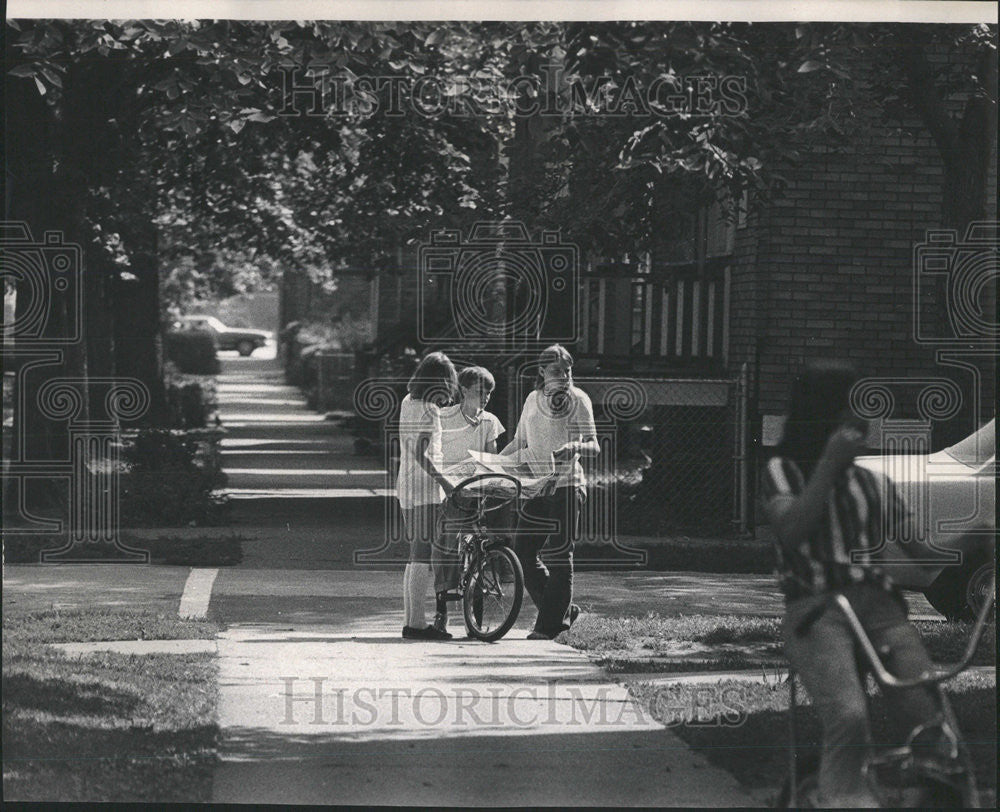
{"x": 244, "y": 341}
{"x": 952, "y": 496}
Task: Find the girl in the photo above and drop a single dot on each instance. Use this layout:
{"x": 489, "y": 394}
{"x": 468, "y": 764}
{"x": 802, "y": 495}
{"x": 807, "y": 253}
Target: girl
{"x": 420, "y": 486}
{"x": 556, "y": 429}
{"x": 822, "y": 507}
{"x": 464, "y": 427}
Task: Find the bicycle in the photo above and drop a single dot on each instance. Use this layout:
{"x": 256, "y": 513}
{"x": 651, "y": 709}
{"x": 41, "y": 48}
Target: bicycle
{"x": 897, "y": 777}
{"x": 491, "y": 583}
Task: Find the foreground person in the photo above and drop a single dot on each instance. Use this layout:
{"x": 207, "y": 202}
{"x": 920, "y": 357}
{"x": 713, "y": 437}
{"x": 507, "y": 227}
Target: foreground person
{"x": 822, "y": 507}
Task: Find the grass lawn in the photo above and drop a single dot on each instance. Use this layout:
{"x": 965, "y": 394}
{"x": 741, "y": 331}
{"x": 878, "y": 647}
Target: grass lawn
{"x": 751, "y": 741}
{"x": 679, "y": 553}
{"x": 106, "y": 727}
{"x": 655, "y": 643}
{"x": 753, "y": 746}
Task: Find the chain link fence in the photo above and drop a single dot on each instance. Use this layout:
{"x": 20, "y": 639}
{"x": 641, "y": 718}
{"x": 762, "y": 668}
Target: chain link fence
{"x": 673, "y": 455}
{"x": 679, "y": 455}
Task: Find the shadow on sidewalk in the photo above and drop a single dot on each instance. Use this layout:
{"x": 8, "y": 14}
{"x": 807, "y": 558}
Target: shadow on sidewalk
{"x": 492, "y": 763}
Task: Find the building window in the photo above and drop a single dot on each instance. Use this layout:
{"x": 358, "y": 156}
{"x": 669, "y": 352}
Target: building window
{"x": 671, "y": 304}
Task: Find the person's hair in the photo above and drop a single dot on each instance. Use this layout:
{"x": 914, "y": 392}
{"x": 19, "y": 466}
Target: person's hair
{"x": 819, "y": 403}
{"x": 470, "y": 376}
{"x": 434, "y": 380}
{"x": 557, "y": 352}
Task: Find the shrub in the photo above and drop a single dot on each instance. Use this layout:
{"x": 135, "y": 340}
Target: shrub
{"x": 170, "y": 479}
{"x": 191, "y": 399}
{"x": 193, "y": 351}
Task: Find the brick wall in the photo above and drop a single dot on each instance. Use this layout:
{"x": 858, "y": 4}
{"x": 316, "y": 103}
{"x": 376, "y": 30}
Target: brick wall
{"x": 828, "y": 270}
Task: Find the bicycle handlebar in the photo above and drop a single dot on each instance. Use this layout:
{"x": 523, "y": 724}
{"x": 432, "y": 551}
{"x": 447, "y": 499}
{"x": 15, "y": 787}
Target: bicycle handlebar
{"x": 888, "y": 680}
{"x": 479, "y": 477}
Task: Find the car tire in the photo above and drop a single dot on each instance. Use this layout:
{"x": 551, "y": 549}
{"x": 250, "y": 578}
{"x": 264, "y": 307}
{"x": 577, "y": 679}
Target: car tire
{"x": 957, "y": 593}
{"x": 245, "y": 348}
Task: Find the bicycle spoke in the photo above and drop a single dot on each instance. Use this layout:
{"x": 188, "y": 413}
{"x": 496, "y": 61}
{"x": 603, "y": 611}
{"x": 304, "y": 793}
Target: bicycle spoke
{"x": 495, "y": 595}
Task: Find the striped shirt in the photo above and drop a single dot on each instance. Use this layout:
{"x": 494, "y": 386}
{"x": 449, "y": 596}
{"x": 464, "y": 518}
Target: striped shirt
{"x": 852, "y": 521}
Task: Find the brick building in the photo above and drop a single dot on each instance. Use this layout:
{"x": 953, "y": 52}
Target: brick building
{"x": 833, "y": 269}
{"x": 828, "y": 269}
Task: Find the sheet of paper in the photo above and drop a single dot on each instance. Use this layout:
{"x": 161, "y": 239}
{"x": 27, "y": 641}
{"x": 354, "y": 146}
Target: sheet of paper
{"x": 528, "y": 463}
{"x": 533, "y": 474}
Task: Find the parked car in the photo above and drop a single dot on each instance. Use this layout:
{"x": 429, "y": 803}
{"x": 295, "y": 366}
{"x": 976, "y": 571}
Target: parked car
{"x": 952, "y": 494}
{"x": 226, "y": 338}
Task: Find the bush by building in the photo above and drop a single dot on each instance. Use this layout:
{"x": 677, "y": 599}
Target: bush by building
{"x": 192, "y": 351}
{"x": 171, "y": 478}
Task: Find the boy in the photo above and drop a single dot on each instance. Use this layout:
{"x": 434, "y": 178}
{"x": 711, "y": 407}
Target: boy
{"x": 465, "y": 427}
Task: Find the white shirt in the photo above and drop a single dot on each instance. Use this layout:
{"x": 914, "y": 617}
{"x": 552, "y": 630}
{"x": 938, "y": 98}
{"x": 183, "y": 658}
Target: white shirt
{"x": 459, "y": 436}
{"x": 414, "y": 486}
{"x": 541, "y": 432}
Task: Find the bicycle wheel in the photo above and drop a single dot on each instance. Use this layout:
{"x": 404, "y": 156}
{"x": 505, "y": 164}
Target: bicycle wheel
{"x": 492, "y": 600}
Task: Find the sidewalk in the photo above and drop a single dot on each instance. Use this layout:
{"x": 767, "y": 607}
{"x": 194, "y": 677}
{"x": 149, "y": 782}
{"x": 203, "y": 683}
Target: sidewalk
{"x": 352, "y": 714}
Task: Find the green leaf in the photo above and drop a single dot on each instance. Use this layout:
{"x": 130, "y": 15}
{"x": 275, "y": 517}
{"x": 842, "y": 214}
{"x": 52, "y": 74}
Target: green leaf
{"x": 40, "y": 86}
{"x": 809, "y": 66}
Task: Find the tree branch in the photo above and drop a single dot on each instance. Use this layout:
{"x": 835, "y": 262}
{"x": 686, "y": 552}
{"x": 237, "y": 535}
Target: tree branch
{"x": 925, "y": 97}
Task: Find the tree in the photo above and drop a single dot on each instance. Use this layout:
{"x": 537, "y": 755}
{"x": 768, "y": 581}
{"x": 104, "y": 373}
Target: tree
{"x": 945, "y": 75}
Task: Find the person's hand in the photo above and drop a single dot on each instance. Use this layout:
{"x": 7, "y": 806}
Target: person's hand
{"x": 844, "y": 445}
{"x": 564, "y": 452}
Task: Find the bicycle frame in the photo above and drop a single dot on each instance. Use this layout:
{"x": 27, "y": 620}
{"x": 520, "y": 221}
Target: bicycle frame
{"x": 477, "y": 545}
{"x": 888, "y": 680}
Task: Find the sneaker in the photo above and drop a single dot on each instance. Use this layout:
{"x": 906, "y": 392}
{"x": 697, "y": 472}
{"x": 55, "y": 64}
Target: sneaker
{"x": 538, "y": 636}
{"x": 426, "y": 633}
{"x": 441, "y": 625}
{"x": 431, "y": 633}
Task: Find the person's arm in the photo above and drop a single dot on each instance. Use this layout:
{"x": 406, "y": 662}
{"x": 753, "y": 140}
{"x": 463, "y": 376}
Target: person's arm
{"x": 795, "y": 517}
{"x": 425, "y": 462}
{"x": 583, "y": 427}
{"x": 587, "y": 447}
{"x": 494, "y": 430}
{"x": 518, "y": 442}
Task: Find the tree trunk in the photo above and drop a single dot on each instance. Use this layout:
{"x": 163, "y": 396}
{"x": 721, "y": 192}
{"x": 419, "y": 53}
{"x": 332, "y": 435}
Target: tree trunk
{"x": 29, "y": 199}
{"x": 967, "y": 148}
{"x": 138, "y": 342}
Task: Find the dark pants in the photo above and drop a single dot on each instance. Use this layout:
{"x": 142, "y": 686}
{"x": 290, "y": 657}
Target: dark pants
{"x": 550, "y": 588}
